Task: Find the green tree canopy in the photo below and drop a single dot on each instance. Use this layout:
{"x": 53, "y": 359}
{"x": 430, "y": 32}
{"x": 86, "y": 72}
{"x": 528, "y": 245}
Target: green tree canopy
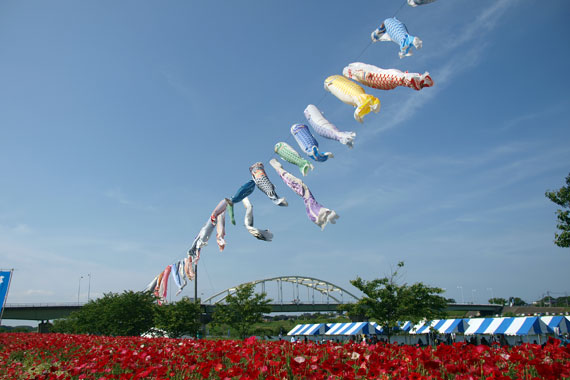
{"x": 179, "y": 318}
{"x": 516, "y": 301}
{"x": 242, "y": 310}
{"x": 498, "y": 301}
{"x": 562, "y": 198}
{"x": 127, "y": 314}
{"x": 388, "y": 302}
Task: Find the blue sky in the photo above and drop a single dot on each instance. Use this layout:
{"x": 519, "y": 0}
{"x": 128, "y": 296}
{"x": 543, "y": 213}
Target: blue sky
{"x": 122, "y": 124}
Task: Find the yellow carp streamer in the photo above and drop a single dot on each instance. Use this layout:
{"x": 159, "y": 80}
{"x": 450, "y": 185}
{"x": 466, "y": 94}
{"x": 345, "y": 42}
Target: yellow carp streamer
{"x": 352, "y": 93}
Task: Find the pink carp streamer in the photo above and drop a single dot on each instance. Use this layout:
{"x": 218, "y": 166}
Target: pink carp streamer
{"x": 316, "y": 213}
{"x": 218, "y": 218}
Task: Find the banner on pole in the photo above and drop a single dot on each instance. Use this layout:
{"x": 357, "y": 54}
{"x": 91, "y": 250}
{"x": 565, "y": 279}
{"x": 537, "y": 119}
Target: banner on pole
{"x": 5, "y": 277}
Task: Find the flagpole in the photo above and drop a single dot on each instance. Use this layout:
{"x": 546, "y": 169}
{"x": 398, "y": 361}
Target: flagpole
{"x": 6, "y": 297}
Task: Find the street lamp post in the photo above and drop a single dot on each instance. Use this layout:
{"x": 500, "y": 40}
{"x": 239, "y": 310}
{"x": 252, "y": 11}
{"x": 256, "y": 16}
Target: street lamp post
{"x": 462, "y": 298}
{"x": 79, "y": 289}
{"x": 473, "y": 295}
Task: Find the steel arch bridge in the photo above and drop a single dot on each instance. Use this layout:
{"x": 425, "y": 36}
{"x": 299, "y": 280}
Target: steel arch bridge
{"x": 325, "y": 288}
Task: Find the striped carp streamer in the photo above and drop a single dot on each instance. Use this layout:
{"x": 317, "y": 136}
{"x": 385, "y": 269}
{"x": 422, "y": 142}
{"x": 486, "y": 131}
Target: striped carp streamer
{"x": 218, "y": 218}
{"x": 394, "y": 30}
{"x": 265, "y": 235}
{"x": 308, "y": 143}
{"x": 385, "y": 79}
{"x": 244, "y": 191}
{"x": 325, "y": 128}
{"x": 316, "y": 213}
{"x": 286, "y": 152}
{"x": 415, "y": 3}
{"x": 352, "y": 93}
{"x": 264, "y": 184}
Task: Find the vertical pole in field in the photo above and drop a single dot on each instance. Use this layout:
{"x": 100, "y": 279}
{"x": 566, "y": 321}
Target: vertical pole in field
{"x": 196, "y": 283}
{"x": 4, "y": 288}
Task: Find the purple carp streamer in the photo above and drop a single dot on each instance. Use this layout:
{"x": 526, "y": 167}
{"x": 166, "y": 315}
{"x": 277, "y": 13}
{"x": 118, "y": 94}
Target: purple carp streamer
{"x": 316, "y": 213}
{"x": 325, "y": 128}
{"x": 265, "y": 235}
{"x": 264, "y": 184}
{"x": 394, "y": 30}
{"x": 308, "y": 143}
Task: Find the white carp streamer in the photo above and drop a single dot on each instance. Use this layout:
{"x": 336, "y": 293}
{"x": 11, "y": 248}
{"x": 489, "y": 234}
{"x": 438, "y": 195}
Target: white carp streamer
{"x": 265, "y": 235}
{"x": 385, "y": 79}
{"x": 325, "y": 128}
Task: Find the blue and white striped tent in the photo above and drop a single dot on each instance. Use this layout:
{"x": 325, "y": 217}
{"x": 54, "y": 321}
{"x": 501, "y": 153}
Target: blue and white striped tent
{"x": 524, "y": 326}
{"x": 478, "y": 326}
{"x": 442, "y": 326}
{"x": 504, "y": 325}
{"x": 309, "y": 329}
{"x": 450, "y": 326}
{"x": 422, "y": 327}
{"x": 354, "y": 328}
{"x": 405, "y": 326}
{"x": 556, "y": 324}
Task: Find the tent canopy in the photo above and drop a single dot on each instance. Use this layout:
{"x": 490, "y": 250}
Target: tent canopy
{"x": 355, "y": 328}
{"x": 309, "y": 329}
{"x": 442, "y": 326}
{"x": 556, "y": 324}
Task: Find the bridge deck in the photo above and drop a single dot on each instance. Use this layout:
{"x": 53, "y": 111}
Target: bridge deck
{"x": 46, "y": 312}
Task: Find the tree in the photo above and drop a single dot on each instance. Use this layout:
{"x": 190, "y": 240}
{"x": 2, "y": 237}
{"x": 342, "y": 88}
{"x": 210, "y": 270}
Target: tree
{"x": 127, "y": 314}
{"x": 242, "y": 309}
{"x": 498, "y": 301}
{"x": 562, "y": 198}
{"x": 179, "y": 318}
{"x": 516, "y": 301}
{"x": 389, "y": 302}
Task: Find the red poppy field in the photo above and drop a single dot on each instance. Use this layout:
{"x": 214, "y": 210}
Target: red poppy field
{"x": 58, "y": 356}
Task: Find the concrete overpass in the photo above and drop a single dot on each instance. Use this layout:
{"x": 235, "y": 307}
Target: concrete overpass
{"x": 47, "y": 312}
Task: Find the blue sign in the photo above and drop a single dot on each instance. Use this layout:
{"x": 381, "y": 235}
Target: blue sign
{"x": 4, "y": 284}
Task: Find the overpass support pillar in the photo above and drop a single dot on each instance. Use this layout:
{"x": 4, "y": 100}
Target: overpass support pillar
{"x": 44, "y": 327}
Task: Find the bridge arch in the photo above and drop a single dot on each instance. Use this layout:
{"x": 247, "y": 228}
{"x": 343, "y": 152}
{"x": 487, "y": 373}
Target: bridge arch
{"x": 325, "y": 288}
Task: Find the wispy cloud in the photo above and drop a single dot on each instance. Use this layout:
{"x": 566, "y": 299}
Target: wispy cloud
{"x": 553, "y": 110}
{"x": 460, "y": 60}
{"x": 119, "y": 196}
